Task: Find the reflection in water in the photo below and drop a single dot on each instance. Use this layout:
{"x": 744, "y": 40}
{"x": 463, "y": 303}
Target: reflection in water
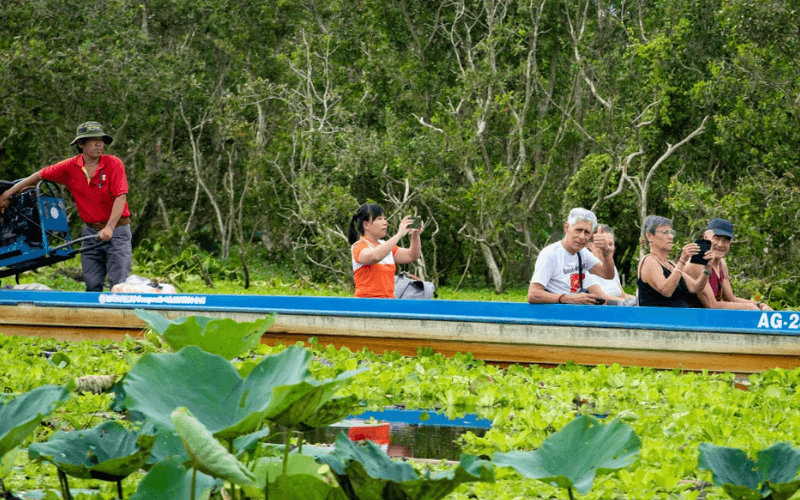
{"x": 418, "y": 441}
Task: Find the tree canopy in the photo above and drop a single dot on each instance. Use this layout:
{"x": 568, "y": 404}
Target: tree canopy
{"x": 269, "y": 122}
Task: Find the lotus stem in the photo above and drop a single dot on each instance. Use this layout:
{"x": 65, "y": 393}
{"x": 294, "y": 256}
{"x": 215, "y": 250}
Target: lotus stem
{"x": 234, "y": 494}
{"x": 569, "y": 490}
{"x": 299, "y": 441}
{"x": 285, "y": 471}
{"x": 62, "y": 479}
{"x": 194, "y": 478}
{"x": 119, "y": 489}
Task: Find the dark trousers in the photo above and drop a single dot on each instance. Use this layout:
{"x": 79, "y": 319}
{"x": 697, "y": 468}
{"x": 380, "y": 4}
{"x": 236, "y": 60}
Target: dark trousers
{"x": 112, "y": 259}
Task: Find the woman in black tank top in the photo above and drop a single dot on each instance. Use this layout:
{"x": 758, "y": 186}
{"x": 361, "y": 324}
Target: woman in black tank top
{"x": 662, "y": 283}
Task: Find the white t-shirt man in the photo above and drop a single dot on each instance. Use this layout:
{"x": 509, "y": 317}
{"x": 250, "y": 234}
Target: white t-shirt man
{"x": 557, "y": 270}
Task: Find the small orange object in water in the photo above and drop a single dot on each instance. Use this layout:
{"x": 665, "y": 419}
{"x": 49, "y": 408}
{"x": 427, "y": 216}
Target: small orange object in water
{"x": 378, "y": 434}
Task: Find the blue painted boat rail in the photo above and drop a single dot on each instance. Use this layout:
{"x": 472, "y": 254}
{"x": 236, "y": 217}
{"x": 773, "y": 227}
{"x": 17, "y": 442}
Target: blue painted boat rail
{"x": 425, "y": 417}
{"x": 781, "y": 323}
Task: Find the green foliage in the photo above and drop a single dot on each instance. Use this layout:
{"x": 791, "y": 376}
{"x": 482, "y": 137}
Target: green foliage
{"x": 7, "y": 462}
{"x": 169, "y": 480}
{"x": 23, "y": 414}
{"x": 253, "y": 138}
{"x": 369, "y": 474}
{"x": 305, "y": 478}
{"x": 224, "y": 336}
{"x": 181, "y": 264}
{"x": 573, "y": 456}
{"x": 676, "y": 412}
{"x": 774, "y": 475}
{"x": 107, "y": 451}
{"x": 278, "y": 389}
{"x": 206, "y": 454}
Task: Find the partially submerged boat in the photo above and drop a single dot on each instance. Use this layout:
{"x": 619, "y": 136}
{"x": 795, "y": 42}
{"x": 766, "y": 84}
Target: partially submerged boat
{"x": 497, "y": 332}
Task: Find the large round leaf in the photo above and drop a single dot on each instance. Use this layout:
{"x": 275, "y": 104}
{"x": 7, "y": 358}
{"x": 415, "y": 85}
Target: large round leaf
{"x": 21, "y": 416}
{"x": 303, "y": 479}
{"x": 280, "y": 388}
{"x": 773, "y": 475}
{"x": 169, "y": 480}
{"x": 223, "y": 336}
{"x": 574, "y": 455}
{"x": 206, "y": 453}
{"x": 108, "y": 452}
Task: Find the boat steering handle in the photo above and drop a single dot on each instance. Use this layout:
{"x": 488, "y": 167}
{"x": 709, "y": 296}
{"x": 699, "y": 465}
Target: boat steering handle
{"x": 84, "y": 238}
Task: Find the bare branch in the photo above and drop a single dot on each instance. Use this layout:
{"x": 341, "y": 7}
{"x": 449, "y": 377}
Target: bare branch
{"x": 671, "y": 149}
{"x": 644, "y": 124}
{"x": 421, "y": 121}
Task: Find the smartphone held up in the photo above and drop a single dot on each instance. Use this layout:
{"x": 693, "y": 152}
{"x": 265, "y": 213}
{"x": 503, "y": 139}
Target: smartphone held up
{"x": 699, "y": 257}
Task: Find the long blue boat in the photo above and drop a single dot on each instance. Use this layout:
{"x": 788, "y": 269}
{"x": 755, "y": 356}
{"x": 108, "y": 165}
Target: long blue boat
{"x": 497, "y": 332}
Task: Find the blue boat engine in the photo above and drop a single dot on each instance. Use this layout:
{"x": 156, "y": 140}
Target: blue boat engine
{"x": 34, "y": 230}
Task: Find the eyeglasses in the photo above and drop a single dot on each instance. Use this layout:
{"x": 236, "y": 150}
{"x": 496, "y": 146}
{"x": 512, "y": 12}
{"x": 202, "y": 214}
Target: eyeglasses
{"x": 670, "y": 232}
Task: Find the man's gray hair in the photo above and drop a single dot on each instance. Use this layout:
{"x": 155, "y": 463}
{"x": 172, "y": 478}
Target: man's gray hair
{"x": 581, "y": 214}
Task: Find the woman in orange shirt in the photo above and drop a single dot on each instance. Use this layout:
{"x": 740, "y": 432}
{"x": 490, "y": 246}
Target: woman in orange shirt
{"x": 373, "y": 258}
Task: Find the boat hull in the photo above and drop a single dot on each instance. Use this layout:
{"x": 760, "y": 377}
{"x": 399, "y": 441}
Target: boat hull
{"x": 497, "y": 332}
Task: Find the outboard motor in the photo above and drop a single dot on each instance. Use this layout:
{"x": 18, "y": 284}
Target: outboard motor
{"x": 34, "y": 230}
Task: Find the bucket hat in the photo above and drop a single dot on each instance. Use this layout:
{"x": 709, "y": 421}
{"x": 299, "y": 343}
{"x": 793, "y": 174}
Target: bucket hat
{"x": 721, "y": 227}
{"x": 91, "y": 129}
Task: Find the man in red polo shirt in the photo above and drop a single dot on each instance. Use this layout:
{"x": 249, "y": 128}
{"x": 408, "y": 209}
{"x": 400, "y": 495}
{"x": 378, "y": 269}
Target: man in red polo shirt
{"x": 97, "y": 183}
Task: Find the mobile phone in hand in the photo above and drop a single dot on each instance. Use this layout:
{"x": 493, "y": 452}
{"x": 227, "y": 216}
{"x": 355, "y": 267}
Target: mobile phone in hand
{"x": 416, "y": 223}
{"x": 705, "y": 246}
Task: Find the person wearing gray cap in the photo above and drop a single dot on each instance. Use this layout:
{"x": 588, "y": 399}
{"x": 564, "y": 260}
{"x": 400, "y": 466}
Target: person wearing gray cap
{"x": 718, "y": 293}
{"x": 559, "y": 271}
{"x": 98, "y": 184}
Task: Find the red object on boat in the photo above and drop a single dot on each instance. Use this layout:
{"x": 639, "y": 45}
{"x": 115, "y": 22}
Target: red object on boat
{"x": 378, "y": 434}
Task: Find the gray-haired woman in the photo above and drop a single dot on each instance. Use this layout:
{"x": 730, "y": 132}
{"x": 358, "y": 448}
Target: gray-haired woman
{"x": 662, "y": 283}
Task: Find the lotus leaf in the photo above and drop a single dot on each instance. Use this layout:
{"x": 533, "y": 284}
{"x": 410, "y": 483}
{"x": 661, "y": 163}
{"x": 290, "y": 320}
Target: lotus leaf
{"x": 367, "y": 473}
{"x": 168, "y": 445}
{"x": 303, "y": 479}
{"x": 118, "y": 404}
{"x": 224, "y": 336}
{"x": 280, "y": 388}
{"x": 249, "y": 441}
{"x": 108, "y": 452}
{"x": 330, "y": 412}
{"x": 169, "y": 480}
{"x": 20, "y": 417}
{"x": 206, "y": 453}
{"x": 573, "y": 456}
{"x": 7, "y": 462}
{"x": 774, "y": 475}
